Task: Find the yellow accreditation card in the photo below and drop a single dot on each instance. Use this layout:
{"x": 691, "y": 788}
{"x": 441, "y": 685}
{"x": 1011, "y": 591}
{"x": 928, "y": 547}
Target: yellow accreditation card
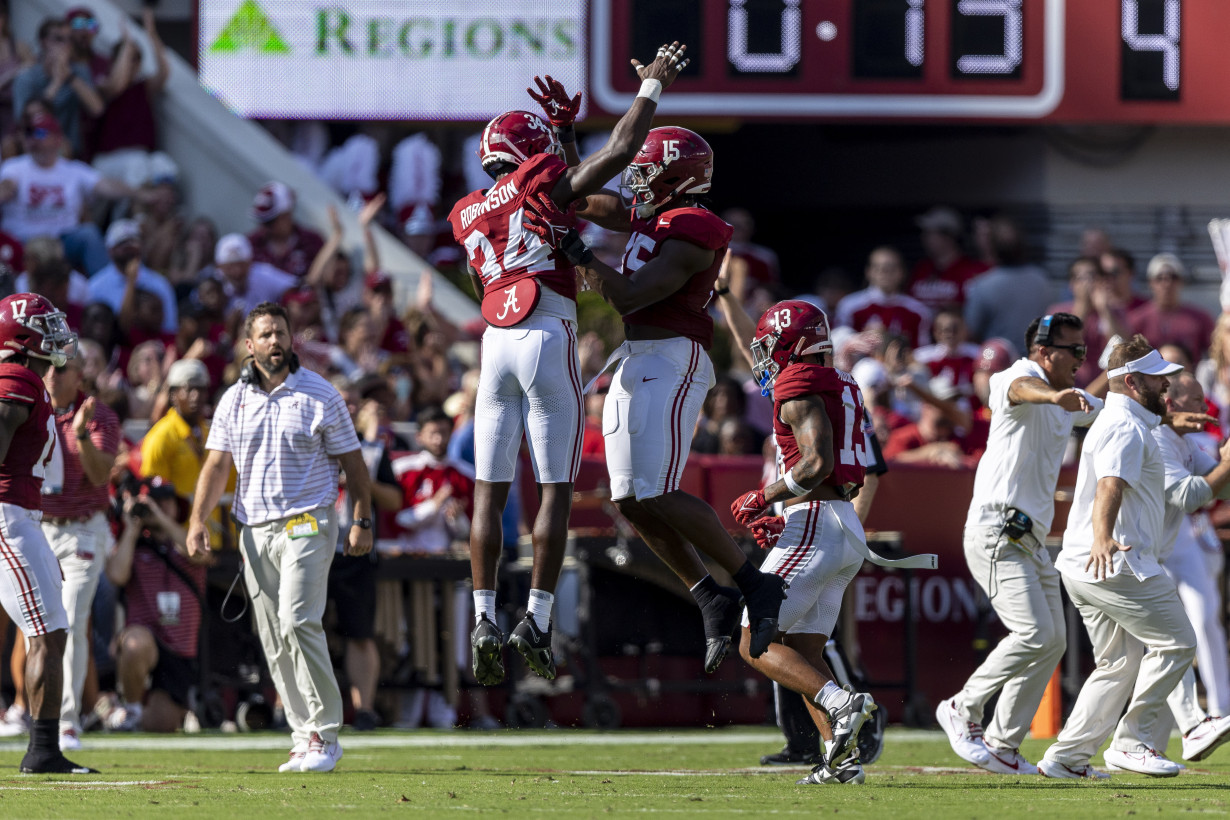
{"x": 302, "y": 526}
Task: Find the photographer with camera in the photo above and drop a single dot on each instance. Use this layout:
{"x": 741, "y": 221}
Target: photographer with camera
{"x": 161, "y": 586}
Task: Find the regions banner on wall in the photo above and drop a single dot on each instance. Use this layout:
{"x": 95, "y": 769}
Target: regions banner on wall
{"x": 380, "y": 59}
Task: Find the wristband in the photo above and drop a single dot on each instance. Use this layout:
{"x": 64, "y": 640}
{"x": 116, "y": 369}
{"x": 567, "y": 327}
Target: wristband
{"x": 565, "y": 133}
{"x": 792, "y": 485}
{"x": 650, "y": 89}
{"x": 721, "y": 291}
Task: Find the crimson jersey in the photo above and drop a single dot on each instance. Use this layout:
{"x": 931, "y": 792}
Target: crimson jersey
{"x": 489, "y": 225}
{"x": 421, "y": 475}
{"x": 844, "y": 406}
{"x": 684, "y": 311}
{"x": 21, "y": 474}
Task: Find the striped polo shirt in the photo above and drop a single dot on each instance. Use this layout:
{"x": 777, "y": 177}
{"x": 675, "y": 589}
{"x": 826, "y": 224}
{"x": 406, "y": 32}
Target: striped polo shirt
{"x": 79, "y": 498}
{"x": 285, "y": 445}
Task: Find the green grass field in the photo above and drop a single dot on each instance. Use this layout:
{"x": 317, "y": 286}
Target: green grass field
{"x": 568, "y": 773}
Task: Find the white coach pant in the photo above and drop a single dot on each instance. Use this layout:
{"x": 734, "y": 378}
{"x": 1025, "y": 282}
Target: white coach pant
{"x": 1143, "y": 644}
{"x": 1023, "y": 587}
{"x": 1195, "y": 570}
{"x": 287, "y": 580}
{"x": 81, "y": 547}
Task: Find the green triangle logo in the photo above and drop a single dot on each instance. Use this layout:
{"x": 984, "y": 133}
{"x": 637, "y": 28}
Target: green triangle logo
{"x": 250, "y": 28}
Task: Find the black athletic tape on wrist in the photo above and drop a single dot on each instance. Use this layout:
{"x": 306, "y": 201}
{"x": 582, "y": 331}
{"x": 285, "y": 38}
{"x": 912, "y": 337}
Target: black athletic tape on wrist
{"x": 565, "y": 133}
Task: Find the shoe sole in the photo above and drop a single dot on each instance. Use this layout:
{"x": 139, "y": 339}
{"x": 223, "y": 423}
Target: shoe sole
{"x": 717, "y": 648}
{"x": 850, "y": 746}
{"x": 1203, "y": 753}
{"x": 544, "y": 668}
{"x": 943, "y": 719}
{"x": 1042, "y": 773}
{"x": 488, "y": 665}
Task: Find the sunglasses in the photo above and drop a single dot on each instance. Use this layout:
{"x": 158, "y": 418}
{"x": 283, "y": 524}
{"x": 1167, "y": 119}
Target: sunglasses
{"x": 38, "y": 133}
{"x": 84, "y": 23}
{"x": 1076, "y": 350}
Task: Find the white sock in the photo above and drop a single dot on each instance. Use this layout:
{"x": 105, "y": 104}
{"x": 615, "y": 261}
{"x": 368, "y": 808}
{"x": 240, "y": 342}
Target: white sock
{"x": 539, "y": 608}
{"x": 831, "y": 697}
{"x": 484, "y": 604}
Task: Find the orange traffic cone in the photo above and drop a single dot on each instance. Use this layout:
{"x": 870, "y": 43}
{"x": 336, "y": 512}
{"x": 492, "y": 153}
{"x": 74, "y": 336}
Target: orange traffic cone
{"x": 1050, "y": 711}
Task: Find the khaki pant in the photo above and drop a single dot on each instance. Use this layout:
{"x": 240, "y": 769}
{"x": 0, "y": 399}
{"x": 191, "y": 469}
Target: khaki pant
{"x": 1143, "y": 644}
{"x": 81, "y": 548}
{"x": 287, "y": 579}
{"x": 1023, "y": 586}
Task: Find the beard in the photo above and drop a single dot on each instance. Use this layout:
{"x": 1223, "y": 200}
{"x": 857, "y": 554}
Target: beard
{"x": 271, "y": 365}
{"x": 1152, "y": 400}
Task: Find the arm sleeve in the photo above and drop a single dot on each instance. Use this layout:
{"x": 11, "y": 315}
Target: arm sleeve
{"x": 1095, "y": 407}
{"x": 1121, "y": 455}
{"x": 105, "y": 432}
{"x": 219, "y": 434}
{"x": 1189, "y": 494}
{"x": 384, "y": 470}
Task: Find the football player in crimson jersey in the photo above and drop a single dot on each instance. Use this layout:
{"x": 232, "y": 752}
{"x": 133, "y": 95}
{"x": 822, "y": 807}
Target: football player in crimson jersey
{"x": 530, "y": 372}
{"x": 34, "y": 335}
{"x": 669, "y": 268}
{"x": 818, "y": 422}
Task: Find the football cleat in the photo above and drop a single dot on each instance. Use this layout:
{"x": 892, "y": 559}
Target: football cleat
{"x": 721, "y": 616}
{"x": 534, "y": 646}
{"x": 850, "y": 772}
{"x": 53, "y": 764}
{"x": 846, "y": 721}
{"x": 488, "y": 652}
{"x": 789, "y": 757}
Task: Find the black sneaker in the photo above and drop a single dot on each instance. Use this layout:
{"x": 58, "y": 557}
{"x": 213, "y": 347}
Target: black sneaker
{"x": 722, "y": 615}
{"x": 365, "y": 720}
{"x": 763, "y": 605}
{"x": 488, "y": 649}
{"x": 846, "y": 721}
{"x": 789, "y": 757}
{"x": 848, "y": 773}
{"x": 534, "y": 646}
{"x": 53, "y": 764}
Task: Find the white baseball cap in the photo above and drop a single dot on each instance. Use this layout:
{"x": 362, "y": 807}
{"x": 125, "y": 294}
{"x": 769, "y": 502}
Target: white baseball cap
{"x": 234, "y": 247}
{"x": 121, "y": 231}
{"x": 188, "y": 373}
{"x": 1150, "y": 364}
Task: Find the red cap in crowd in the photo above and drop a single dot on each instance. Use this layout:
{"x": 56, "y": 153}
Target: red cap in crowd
{"x": 272, "y": 200}
{"x": 378, "y": 280}
{"x": 300, "y": 296}
{"x": 42, "y": 121}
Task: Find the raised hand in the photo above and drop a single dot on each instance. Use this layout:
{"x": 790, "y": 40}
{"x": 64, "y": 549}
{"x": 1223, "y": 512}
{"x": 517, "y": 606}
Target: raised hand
{"x": 1071, "y": 400}
{"x": 561, "y": 110}
{"x": 665, "y": 66}
{"x": 370, "y": 209}
{"x": 748, "y": 507}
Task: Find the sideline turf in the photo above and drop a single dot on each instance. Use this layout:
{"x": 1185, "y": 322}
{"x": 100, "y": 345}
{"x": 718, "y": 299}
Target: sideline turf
{"x": 568, "y": 773}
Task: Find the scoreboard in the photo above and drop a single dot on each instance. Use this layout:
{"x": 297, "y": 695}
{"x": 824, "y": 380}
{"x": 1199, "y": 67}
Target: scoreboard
{"x": 1074, "y": 61}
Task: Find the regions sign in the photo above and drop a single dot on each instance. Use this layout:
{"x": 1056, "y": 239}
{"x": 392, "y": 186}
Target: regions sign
{"x": 376, "y": 59}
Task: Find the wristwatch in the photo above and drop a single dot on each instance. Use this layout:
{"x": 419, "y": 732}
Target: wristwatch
{"x": 363, "y": 523}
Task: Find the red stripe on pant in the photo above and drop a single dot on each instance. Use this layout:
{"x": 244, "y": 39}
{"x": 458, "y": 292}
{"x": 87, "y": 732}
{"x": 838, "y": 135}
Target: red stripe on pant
{"x": 672, "y": 479}
{"x": 575, "y": 377}
{"x": 33, "y": 615}
{"x": 801, "y": 551}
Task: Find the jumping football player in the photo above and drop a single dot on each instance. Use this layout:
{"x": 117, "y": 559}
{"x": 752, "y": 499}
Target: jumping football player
{"x": 34, "y": 335}
{"x": 663, "y": 292}
{"x": 530, "y": 372}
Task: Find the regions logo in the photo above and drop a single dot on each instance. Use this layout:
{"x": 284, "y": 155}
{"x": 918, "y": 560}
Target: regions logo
{"x": 249, "y": 28}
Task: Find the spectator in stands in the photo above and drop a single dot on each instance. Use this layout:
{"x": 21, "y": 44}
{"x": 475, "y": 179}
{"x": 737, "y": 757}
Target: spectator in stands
{"x": 41, "y": 249}
{"x": 952, "y": 358}
{"x": 883, "y": 303}
{"x": 54, "y": 78}
{"x": 434, "y": 378}
{"x": 82, "y": 27}
{"x": 197, "y": 339}
{"x": 414, "y": 191}
{"x": 762, "y": 268}
{"x": 126, "y": 135}
{"x": 1094, "y": 303}
{"x": 93, "y": 363}
{"x": 1213, "y": 372}
{"x": 438, "y": 502}
{"x": 1002, "y": 300}
{"x": 356, "y": 353}
{"x": 1164, "y": 318}
{"x": 1095, "y": 242}
{"x": 98, "y": 324}
{"x": 162, "y": 601}
{"x": 592, "y": 442}
{"x": 43, "y": 195}
{"x": 193, "y": 252}
{"x": 145, "y": 375}
{"x": 940, "y": 278}
{"x": 1120, "y": 266}
{"x": 331, "y": 273}
{"x": 14, "y": 57}
{"x": 724, "y": 402}
{"x": 174, "y": 447}
{"x": 997, "y": 355}
{"x": 75, "y": 523}
{"x": 246, "y": 282}
{"x": 352, "y": 578}
{"x": 930, "y": 440}
{"x": 50, "y": 278}
{"x": 109, "y": 284}
{"x": 278, "y": 241}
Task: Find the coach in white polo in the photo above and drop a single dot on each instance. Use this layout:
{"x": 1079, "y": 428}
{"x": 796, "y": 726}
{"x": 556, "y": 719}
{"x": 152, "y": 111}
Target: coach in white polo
{"x": 1143, "y": 642}
{"x": 286, "y": 430}
{"x": 1034, "y": 406}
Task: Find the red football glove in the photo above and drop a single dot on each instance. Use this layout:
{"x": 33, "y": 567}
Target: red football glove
{"x": 544, "y": 218}
{"x": 560, "y": 110}
{"x": 766, "y": 531}
{"x": 748, "y": 507}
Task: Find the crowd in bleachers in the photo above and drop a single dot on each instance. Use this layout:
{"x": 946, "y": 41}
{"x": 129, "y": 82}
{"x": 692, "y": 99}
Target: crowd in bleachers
{"x": 91, "y": 216}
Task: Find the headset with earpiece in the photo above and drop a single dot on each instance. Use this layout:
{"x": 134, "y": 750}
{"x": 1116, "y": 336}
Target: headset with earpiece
{"x": 248, "y": 374}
